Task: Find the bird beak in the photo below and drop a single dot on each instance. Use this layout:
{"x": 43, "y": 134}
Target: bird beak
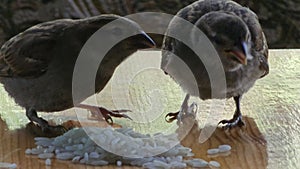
{"x": 143, "y": 41}
{"x": 241, "y": 55}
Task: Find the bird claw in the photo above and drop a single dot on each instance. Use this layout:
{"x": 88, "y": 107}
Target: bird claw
{"x": 43, "y": 125}
{"x": 117, "y": 114}
{"x": 235, "y": 121}
{"x": 46, "y": 130}
{"x": 170, "y": 117}
{"x": 109, "y": 120}
{"x": 185, "y": 111}
{"x": 107, "y": 114}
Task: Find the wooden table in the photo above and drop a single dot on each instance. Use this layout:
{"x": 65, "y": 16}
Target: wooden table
{"x": 271, "y": 138}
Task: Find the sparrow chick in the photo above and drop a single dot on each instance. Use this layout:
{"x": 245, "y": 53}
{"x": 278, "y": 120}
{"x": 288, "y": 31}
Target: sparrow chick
{"x": 236, "y": 35}
{"x": 36, "y": 66}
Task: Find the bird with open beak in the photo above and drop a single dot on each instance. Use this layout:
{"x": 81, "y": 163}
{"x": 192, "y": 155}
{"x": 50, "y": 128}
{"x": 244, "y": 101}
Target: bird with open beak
{"x": 235, "y": 33}
{"x": 37, "y": 65}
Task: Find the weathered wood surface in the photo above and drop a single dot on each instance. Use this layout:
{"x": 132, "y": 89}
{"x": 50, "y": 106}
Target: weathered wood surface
{"x": 249, "y": 148}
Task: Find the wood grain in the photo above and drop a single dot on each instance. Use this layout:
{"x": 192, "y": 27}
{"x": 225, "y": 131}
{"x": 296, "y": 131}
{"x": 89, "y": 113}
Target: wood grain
{"x": 248, "y": 147}
{"x": 15, "y": 142}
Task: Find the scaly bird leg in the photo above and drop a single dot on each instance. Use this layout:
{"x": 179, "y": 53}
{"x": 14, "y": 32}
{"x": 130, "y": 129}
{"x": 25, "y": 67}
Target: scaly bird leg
{"x": 102, "y": 113}
{"x": 237, "y": 117}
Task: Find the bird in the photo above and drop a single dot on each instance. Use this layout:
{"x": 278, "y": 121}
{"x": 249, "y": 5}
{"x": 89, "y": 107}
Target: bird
{"x": 240, "y": 44}
{"x": 36, "y": 66}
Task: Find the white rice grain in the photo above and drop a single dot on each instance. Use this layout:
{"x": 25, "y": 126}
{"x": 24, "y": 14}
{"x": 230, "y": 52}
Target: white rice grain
{"x": 48, "y": 161}
{"x": 65, "y": 156}
{"x": 224, "y": 148}
{"x": 86, "y": 156}
{"x": 8, "y": 165}
{"x": 13, "y": 166}
{"x": 37, "y": 151}
{"x": 213, "y": 151}
{"x": 94, "y": 155}
{"x": 70, "y": 148}
{"x": 197, "y": 163}
{"x": 177, "y": 164}
{"x": 42, "y": 139}
{"x": 214, "y": 164}
{"x": 132, "y": 148}
{"x": 28, "y": 151}
{"x": 119, "y": 163}
{"x": 50, "y": 149}
{"x": 45, "y": 155}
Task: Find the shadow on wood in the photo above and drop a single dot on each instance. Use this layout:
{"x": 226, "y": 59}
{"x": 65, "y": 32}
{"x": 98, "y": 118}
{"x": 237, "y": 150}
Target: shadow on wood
{"x": 249, "y": 148}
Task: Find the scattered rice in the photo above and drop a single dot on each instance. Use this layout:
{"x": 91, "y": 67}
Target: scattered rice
{"x": 48, "y": 161}
{"x": 213, "y": 151}
{"x": 214, "y": 164}
{"x": 224, "y": 148}
{"x": 197, "y": 163}
{"x": 65, "y": 156}
{"x": 37, "y": 151}
{"x": 28, "y": 151}
{"x": 119, "y": 163}
{"x": 13, "y": 166}
{"x": 8, "y": 165}
{"x": 116, "y": 146}
{"x": 45, "y": 155}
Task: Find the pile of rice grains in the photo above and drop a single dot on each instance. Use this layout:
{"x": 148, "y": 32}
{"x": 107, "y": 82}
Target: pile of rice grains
{"x": 104, "y": 146}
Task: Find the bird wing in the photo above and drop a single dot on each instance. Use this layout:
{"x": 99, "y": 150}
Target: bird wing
{"x": 28, "y": 54}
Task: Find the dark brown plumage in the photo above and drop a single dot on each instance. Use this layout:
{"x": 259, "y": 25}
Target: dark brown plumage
{"x": 36, "y": 66}
{"x": 236, "y": 35}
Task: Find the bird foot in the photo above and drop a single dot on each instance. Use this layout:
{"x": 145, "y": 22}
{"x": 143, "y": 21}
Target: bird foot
{"x": 46, "y": 131}
{"x": 58, "y": 129}
{"x": 43, "y": 124}
{"x": 183, "y": 113}
{"x": 107, "y": 114}
{"x": 234, "y": 122}
{"x": 104, "y": 114}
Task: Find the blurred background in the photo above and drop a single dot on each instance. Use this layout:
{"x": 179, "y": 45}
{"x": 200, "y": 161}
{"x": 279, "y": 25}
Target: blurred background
{"x": 280, "y": 19}
{"x": 273, "y": 102}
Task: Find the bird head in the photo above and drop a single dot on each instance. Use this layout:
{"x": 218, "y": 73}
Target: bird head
{"x": 230, "y": 36}
{"x": 136, "y": 38}
{"x": 121, "y": 35}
